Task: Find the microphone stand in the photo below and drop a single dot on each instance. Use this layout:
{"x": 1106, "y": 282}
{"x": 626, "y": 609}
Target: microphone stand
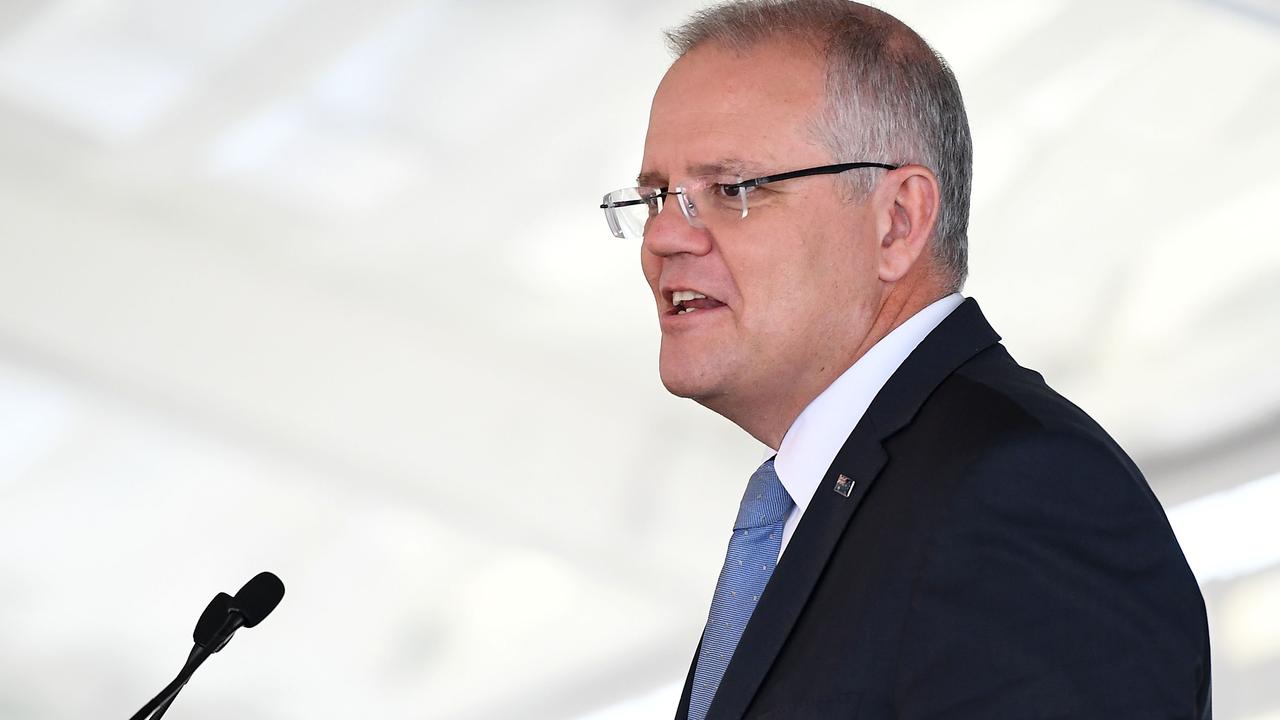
{"x": 160, "y": 703}
{"x": 217, "y": 624}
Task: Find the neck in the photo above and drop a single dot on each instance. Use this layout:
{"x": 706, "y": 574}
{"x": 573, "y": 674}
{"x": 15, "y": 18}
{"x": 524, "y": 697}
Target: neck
{"x": 767, "y": 418}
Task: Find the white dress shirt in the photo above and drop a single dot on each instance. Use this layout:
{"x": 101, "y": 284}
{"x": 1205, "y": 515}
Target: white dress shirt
{"x": 811, "y": 443}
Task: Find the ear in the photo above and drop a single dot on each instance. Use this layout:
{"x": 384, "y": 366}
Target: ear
{"x": 907, "y": 210}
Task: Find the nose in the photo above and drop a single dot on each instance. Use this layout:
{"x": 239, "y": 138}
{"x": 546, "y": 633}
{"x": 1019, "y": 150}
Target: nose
{"x": 669, "y": 233}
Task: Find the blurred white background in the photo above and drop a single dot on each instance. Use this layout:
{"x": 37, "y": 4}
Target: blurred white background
{"x": 321, "y": 287}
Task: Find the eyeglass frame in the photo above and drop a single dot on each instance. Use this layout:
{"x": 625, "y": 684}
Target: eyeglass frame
{"x": 664, "y": 191}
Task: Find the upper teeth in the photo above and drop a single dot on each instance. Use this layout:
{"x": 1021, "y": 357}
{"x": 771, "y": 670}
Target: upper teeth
{"x": 680, "y": 296}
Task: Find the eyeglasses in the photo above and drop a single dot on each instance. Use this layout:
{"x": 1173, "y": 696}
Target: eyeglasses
{"x": 707, "y": 200}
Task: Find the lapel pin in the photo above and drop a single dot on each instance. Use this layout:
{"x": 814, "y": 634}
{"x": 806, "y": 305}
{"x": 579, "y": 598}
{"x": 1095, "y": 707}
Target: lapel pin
{"x": 844, "y": 486}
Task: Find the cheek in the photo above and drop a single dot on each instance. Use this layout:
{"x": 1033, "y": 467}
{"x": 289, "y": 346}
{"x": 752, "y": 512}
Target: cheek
{"x": 651, "y": 266}
{"x": 775, "y": 278}
{"x": 842, "y": 254}
{"x": 824, "y": 273}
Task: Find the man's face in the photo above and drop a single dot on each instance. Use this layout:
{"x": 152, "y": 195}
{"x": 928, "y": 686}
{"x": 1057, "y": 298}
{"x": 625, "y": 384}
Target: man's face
{"x": 795, "y": 282}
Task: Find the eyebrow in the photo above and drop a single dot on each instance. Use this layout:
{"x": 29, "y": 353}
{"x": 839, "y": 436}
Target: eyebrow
{"x": 727, "y": 166}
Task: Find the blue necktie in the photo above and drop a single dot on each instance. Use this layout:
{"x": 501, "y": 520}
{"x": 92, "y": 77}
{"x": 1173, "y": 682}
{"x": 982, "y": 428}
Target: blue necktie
{"x": 753, "y": 552}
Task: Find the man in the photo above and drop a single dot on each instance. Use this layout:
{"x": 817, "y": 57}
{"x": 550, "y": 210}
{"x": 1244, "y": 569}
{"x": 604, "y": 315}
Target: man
{"x": 940, "y": 535}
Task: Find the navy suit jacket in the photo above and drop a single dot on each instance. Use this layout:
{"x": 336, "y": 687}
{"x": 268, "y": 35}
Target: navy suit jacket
{"x": 998, "y": 557}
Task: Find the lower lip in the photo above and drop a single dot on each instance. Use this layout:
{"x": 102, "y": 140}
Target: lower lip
{"x": 675, "y": 321}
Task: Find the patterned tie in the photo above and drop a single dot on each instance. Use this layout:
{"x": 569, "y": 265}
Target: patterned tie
{"x": 753, "y": 552}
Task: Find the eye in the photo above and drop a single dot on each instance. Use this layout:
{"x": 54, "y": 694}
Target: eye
{"x": 730, "y": 190}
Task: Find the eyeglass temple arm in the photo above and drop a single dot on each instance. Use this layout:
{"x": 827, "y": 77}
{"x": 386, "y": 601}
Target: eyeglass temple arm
{"x": 824, "y": 170}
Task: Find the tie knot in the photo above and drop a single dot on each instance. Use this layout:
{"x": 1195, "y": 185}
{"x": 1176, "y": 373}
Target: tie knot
{"x": 765, "y": 502}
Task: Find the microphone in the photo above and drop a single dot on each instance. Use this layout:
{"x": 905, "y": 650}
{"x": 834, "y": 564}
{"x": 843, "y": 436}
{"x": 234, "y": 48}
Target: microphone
{"x": 219, "y": 621}
{"x": 211, "y": 620}
{"x": 258, "y": 598}
{"x": 227, "y": 614}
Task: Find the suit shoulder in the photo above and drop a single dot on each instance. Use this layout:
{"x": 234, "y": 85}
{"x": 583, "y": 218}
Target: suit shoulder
{"x": 1002, "y": 427}
{"x": 1021, "y": 456}
{"x": 1014, "y": 404}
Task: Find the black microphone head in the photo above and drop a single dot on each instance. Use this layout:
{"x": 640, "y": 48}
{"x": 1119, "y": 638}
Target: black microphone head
{"x": 211, "y": 619}
{"x": 258, "y": 598}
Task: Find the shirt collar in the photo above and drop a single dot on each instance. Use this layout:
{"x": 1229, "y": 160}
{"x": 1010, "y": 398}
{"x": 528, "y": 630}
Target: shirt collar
{"x": 811, "y": 443}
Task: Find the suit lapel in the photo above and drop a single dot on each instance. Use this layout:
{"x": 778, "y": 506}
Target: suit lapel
{"x": 963, "y": 334}
{"x": 682, "y": 710}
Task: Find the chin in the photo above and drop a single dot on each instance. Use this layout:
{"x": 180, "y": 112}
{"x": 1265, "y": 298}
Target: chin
{"x": 682, "y": 385}
{"x": 687, "y": 379}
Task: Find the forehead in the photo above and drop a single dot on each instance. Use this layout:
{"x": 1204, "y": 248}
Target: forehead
{"x": 757, "y": 106}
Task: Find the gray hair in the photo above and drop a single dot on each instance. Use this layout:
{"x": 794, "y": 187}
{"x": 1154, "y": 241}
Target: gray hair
{"x": 890, "y": 98}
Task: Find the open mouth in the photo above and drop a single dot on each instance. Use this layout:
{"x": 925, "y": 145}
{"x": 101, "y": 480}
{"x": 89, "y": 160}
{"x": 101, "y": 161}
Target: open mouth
{"x": 684, "y": 302}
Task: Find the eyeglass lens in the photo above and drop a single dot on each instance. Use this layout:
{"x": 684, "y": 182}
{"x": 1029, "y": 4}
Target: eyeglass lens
{"x": 704, "y": 202}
